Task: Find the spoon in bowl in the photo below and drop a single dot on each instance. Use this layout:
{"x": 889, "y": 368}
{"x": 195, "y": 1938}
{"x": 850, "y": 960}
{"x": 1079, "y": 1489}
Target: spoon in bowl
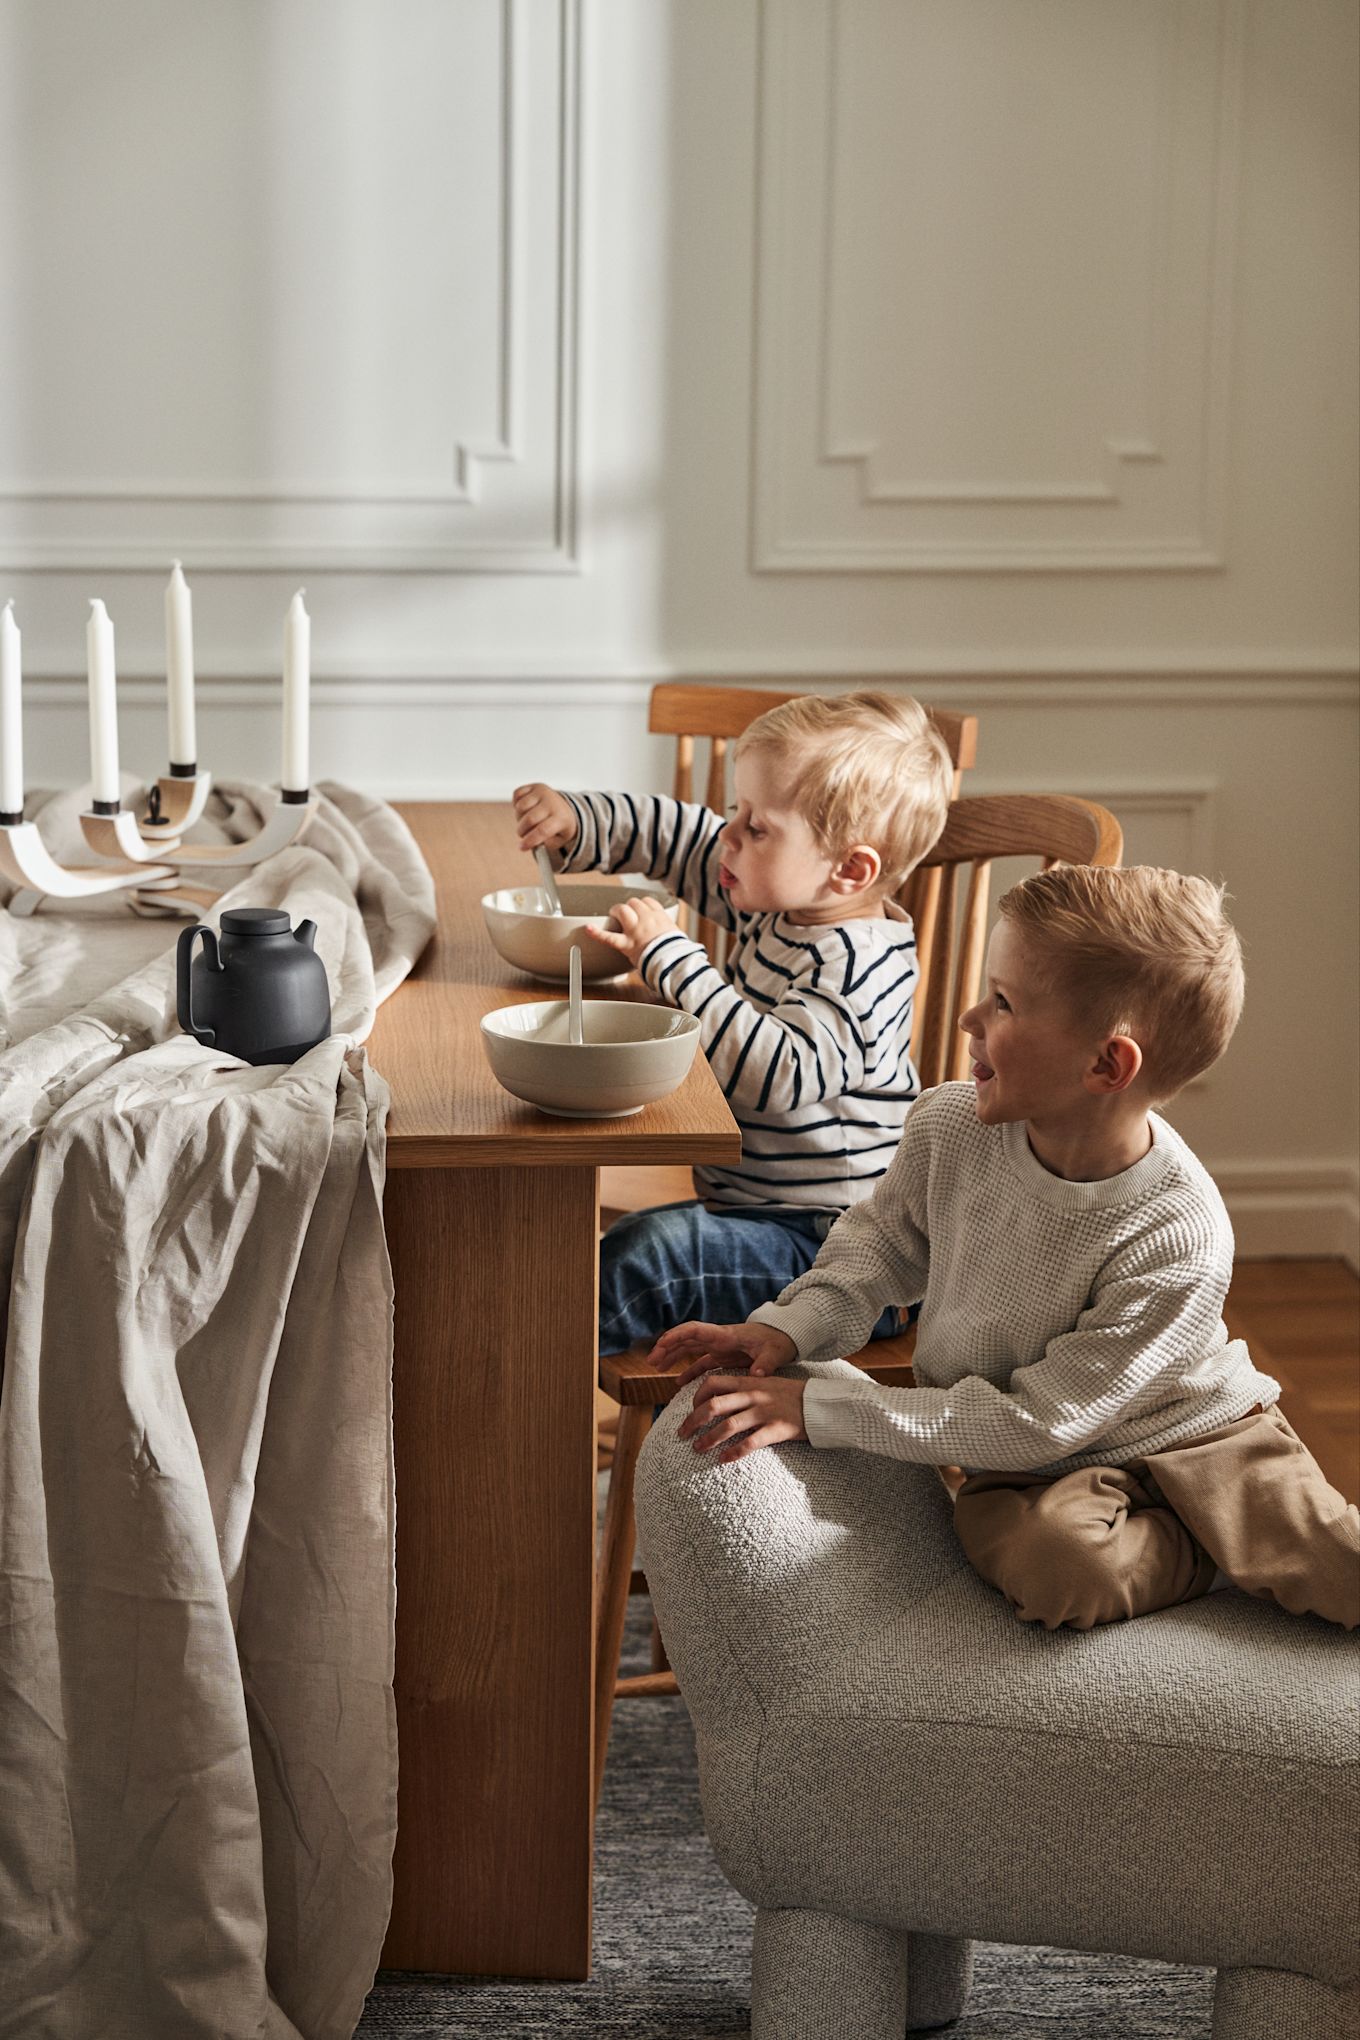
{"x": 549, "y": 878}
{"x": 575, "y": 1029}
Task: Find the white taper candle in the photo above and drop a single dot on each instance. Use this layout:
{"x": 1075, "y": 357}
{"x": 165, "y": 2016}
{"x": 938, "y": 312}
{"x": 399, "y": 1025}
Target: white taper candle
{"x": 179, "y": 668}
{"x": 103, "y": 705}
{"x": 297, "y": 675}
{"x": 11, "y": 725}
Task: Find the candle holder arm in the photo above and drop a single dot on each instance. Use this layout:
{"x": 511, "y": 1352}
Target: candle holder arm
{"x": 26, "y": 860}
{"x": 120, "y": 836}
{"x": 283, "y": 826}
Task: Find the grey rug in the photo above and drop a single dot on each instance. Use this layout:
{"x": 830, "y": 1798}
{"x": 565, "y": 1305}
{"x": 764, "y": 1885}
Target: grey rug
{"x": 673, "y": 1940}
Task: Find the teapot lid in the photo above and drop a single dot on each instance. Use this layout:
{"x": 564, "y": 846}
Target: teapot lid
{"x": 255, "y": 921}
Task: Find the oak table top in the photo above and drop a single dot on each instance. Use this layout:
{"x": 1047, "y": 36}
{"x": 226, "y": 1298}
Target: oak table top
{"x": 447, "y": 1109}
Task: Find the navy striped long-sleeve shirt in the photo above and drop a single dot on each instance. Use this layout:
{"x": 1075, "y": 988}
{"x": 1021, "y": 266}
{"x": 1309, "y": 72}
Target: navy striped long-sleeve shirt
{"x": 808, "y": 1030}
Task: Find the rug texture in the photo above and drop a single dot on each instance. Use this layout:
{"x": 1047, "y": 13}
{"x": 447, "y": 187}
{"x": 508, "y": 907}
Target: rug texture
{"x": 673, "y": 1940}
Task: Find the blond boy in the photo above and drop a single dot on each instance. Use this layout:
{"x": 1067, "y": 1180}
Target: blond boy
{"x": 1122, "y": 1453}
{"x": 808, "y": 1024}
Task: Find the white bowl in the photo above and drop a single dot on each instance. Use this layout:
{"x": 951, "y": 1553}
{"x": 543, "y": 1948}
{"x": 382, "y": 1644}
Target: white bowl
{"x": 631, "y": 1055}
{"x": 528, "y": 935}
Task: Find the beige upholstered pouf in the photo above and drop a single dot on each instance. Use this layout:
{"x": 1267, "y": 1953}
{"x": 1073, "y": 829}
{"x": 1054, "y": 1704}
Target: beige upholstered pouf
{"x": 892, "y": 1764}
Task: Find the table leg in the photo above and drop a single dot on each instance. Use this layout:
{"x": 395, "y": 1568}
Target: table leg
{"x": 496, "y": 1283}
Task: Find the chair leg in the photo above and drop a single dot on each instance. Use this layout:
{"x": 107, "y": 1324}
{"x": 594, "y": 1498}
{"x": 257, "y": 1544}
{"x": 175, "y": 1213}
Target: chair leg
{"x": 815, "y": 1976}
{"x": 606, "y": 1430}
{"x": 1267, "y": 2004}
{"x": 613, "y": 1574}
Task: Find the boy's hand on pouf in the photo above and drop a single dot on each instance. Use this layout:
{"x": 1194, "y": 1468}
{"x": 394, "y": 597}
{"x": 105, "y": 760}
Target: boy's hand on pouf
{"x": 736, "y": 1414}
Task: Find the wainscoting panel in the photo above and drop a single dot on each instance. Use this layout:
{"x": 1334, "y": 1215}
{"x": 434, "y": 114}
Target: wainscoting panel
{"x": 1170, "y": 824}
{"x": 327, "y": 320}
{"x": 1030, "y": 371}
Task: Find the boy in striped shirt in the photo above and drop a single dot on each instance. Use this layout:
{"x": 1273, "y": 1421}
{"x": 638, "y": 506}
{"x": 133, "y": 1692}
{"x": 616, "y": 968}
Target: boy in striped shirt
{"x": 807, "y": 1027}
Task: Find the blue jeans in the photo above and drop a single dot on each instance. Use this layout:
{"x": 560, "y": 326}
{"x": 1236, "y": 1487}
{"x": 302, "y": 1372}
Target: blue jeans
{"x": 662, "y": 1267}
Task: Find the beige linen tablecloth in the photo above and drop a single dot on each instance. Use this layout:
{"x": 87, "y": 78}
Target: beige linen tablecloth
{"x": 197, "y": 1738}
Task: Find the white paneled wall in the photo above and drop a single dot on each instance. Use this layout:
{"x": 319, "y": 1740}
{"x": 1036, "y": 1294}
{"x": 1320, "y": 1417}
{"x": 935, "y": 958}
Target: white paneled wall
{"x": 323, "y": 318}
{"x": 562, "y": 344}
{"x": 1029, "y": 375}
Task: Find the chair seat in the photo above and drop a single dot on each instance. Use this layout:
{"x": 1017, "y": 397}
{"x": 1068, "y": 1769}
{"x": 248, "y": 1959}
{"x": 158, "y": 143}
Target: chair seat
{"x": 632, "y": 1383}
{"x": 624, "y": 1190}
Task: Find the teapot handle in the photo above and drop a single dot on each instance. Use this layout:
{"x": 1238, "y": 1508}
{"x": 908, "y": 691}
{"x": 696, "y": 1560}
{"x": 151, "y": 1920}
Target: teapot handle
{"x": 183, "y": 985}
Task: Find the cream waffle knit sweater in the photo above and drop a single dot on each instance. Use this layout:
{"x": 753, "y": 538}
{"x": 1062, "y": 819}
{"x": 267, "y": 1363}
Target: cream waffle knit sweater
{"x": 1063, "y": 1324}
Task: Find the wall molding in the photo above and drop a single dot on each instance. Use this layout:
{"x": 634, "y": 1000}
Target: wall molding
{"x": 878, "y": 528}
{"x": 1292, "y": 1208}
{"x": 864, "y": 454}
{"x": 557, "y": 552}
{"x": 507, "y": 442}
{"x": 431, "y": 682}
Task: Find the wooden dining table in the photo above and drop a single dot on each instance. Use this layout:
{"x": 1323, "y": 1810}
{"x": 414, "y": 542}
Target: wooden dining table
{"x": 492, "y": 1217}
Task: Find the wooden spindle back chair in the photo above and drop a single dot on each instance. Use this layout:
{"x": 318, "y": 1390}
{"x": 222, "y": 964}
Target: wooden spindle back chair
{"x": 691, "y": 710}
{"x": 980, "y": 829}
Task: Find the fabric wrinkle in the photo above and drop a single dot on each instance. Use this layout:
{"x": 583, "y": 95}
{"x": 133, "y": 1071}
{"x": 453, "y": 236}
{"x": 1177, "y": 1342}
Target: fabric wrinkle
{"x": 197, "y": 1733}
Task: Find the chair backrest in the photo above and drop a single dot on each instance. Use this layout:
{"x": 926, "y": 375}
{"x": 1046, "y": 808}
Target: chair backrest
{"x": 689, "y": 710}
{"x": 1052, "y": 827}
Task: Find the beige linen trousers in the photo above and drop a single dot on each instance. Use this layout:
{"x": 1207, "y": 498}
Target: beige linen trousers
{"x": 1248, "y": 1501}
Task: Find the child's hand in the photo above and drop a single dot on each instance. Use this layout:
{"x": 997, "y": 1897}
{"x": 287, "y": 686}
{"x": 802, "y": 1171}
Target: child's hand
{"x": 544, "y": 818}
{"x": 760, "y": 1347}
{"x": 749, "y": 1413}
{"x": 636, "y": 923}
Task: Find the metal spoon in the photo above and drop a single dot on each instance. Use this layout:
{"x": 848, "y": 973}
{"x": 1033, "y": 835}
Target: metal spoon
{"x": 549, "y": 878}
{"x": 575, "y": 1030}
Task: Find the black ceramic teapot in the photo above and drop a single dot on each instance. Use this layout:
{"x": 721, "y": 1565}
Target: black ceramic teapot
{"x": 257, "y": 991}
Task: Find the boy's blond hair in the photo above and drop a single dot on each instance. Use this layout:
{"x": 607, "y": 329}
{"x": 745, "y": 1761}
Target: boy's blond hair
{"x": 863, "y": 768}
{"x": 1146, "y": 953}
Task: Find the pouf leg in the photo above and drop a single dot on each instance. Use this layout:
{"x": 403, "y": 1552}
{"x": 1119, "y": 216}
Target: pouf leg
{"x": 1266, "y": 2004}
{"x": 939, "y": 1971}
{"x": 817, "y": 1977}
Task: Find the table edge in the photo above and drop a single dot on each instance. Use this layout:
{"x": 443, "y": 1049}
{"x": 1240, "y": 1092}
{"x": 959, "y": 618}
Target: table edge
{"x": 529, "y": 1150}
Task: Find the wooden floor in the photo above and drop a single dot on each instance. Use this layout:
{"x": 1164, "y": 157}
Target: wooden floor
{"x": 1302, "y": 1322}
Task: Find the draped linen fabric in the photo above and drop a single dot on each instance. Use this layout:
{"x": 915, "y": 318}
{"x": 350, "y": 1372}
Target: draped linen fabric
{"x": 197, "y": 1591}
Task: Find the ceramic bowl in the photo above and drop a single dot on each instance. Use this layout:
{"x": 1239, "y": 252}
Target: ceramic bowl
{"x": 527, "y": 935}
{"x": 631, "y": 1055}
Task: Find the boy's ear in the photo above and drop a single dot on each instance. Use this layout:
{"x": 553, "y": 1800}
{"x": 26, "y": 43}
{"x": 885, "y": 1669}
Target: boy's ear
{"x": 857, "y": 870}
{"x": 1115, "y": 1067}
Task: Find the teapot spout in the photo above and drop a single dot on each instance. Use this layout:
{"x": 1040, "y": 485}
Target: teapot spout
{"x": 305, "y": 933}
